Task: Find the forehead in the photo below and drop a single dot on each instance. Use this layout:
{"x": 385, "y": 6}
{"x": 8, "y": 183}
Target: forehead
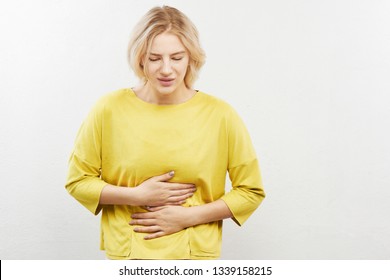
{"x": 166, "y": 43}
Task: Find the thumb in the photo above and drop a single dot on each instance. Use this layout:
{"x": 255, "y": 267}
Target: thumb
{"x": 165, "y": 177}
{"x": 155, "y": 208}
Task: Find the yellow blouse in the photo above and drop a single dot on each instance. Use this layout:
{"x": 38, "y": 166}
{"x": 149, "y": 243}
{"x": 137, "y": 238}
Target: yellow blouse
{"x": 125, "y": 141}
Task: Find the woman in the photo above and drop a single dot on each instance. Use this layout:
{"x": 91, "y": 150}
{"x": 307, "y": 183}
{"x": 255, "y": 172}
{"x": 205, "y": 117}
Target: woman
{"x": 154, "y": 158}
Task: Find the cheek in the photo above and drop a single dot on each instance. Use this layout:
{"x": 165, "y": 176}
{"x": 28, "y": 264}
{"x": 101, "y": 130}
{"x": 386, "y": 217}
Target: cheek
{"x": 150, "y": 69}
{"x": 184, "y": 68}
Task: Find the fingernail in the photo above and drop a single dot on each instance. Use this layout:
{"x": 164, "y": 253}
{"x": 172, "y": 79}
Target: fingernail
{"x": 171, "y": 173}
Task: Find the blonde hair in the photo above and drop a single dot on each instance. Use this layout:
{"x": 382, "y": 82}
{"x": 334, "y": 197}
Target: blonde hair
{"x": 157, "y": 21}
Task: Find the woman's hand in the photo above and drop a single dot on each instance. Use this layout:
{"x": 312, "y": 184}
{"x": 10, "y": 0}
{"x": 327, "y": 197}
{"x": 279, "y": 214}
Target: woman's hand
{"x": 164, "y": 220}
{"x": 157, "y": 191}
{"x": 161, "y": 221}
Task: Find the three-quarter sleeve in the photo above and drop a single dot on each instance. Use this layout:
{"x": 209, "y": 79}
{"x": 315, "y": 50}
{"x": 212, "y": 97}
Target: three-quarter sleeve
{"x": 247, "y": 189}
{"x": 84, "y": 181}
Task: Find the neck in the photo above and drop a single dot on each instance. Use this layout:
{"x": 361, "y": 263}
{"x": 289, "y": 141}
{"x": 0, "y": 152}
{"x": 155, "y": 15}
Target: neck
{"x": 150, "y": 95}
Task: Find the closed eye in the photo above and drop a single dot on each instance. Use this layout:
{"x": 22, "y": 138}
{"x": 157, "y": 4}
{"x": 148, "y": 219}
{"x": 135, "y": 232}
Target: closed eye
{"x": 177, "y": 58}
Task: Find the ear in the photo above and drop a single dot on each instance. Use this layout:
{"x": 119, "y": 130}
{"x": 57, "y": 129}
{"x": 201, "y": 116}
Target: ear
{"x": 142, "y": 62}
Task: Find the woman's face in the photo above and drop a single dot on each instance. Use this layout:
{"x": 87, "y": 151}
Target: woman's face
{"x": 167, "y": 64}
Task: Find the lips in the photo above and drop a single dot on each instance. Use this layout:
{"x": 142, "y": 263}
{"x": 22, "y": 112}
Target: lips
{"x": 166, "y": 82}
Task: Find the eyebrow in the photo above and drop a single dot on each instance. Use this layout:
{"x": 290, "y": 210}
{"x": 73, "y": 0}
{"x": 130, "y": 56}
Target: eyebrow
{"x": 176, "y": 53}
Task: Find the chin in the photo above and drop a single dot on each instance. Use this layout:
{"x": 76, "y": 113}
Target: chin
{"x": 166, "y": 90}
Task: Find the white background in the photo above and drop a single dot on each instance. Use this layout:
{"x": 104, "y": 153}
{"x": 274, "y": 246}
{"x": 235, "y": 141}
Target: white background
{"x": 311, "y": 79}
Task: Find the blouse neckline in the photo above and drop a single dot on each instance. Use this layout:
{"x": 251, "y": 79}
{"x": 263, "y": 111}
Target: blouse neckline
{"x": 145, "y": 104}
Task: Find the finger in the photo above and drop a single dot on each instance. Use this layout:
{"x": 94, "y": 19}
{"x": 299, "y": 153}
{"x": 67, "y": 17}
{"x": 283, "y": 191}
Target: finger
{"x": 150, "y": 229}
{"x": 180, "y": 186}
{"x": 146, "y": 207}
{"x": 188, "y": 192}
{"x": 165, "y": 177}
{"x": 181, "y": 202}
{"x": 152, "y": 208}
{"x": 176, "y": 199}
{"x": 178, "y": 203}
{"x": 143, "y": 215}
{"x": 143, "y": 222}
{"x": 155, "y": 208}
{"x": 155, "y": 235}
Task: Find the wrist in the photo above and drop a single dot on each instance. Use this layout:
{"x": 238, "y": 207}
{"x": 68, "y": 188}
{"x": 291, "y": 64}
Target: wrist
{"x": 191, "y": 216}
{"x": 116, "y": 195}
{"x": 207, "y": 213}
{"x": 133, "y": 196}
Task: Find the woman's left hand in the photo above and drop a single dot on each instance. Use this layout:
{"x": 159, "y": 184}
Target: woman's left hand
{"x": 161, "y": 220}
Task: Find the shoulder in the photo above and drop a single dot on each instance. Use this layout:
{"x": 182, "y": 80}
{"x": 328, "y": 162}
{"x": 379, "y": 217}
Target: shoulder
{"x": 110, "y": 100}
{"x": 219, "y": 105}
{"x": 216, "y": 102}
{"x": 226, "y": 112}
{"x": 113, "y": 98}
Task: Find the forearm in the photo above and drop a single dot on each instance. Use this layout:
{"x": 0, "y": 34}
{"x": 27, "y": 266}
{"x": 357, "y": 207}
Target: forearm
{"x": 161, "y": 221}
{"x": 156, "y": 191}
{"x": 112, "y": 195}
{"x": 207, "y": 213}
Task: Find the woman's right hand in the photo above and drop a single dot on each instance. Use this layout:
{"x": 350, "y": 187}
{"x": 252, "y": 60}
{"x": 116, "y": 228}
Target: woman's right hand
{"x": 157, "y": 191}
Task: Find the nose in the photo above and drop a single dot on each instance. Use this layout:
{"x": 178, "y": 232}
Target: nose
{"x": 166, "y": 68}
